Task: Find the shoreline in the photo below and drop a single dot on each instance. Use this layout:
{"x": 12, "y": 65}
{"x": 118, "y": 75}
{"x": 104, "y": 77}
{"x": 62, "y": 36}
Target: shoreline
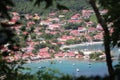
{"x": 71, "y": 59}
{"x": 62, "y": 59}
{"x": 81, "y": 44}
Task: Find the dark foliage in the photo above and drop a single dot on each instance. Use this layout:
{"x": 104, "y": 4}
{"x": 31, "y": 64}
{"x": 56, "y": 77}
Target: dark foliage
{"x": 4, "y": 6}
{"x": 114, "y": 17}
{"x": 5, "y": 36}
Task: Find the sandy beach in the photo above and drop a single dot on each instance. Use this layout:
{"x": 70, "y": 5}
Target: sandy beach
{"x": 82, "y": 44}
{"x": 55, "y": 59}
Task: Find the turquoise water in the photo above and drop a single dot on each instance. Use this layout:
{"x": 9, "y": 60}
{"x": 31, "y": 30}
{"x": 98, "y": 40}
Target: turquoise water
{"x": 86, "y": 68}
{"x": 69, "y": 67}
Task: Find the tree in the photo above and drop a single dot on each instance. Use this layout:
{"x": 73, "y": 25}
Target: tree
{"x": 8, "y": 40}
{"x": 112, "y": 16}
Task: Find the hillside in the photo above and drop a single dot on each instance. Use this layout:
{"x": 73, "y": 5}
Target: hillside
{"x": 24, "y": 6}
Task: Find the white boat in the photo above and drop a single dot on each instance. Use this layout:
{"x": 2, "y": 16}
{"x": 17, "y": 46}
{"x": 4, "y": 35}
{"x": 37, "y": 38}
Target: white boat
{"x": 73, "y": 64}
{"x": 118, "y": 49}
{"x": 77, "y": 69}
{"x": 60, "y": 61}
{"x": 40, "y": 67}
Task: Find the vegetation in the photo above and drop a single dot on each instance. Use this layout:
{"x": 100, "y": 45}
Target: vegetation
{"x": 72, "y": 41}
{"x": 93, "y": 18}
{"x": 105, "y": 20}
{"x": 25, "y": 6}
{"x": 9, "y": 69}
{"x": 72, "y": 26}
{"x": 95, "y": 55}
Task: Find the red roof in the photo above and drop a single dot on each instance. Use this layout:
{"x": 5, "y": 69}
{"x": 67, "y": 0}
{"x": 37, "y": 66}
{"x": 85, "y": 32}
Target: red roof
{"x": 53, "y": 32}
{"x": 25, "y": 32}
{"x": 81, "y": 28}
{"x": 92, "y": 29}
{"x": 60, "y": 54}
{"x": 44, "y": 55}
{"x": 79, "y": 56}
{"x": 74, "y": 21}
{"x": 67, "y": 37}
{"x": 74, "y": 32}
{"x": 61, "y": 42}
{"x": 30, "y": 54}
{"x": 30, "y": 48}
{"x": 71, "y": 54}
{"x": 76, "y": 16}
{"x": 43, "y": 50}
{"x": 30, "y": 23}
{"x": 99, "y": 36}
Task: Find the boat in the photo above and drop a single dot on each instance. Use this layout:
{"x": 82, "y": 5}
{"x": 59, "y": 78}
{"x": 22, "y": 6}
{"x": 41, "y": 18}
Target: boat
{"x": 119, "y": 49}
{"x": 73, "y": 64}
{"x": 77, "y": 70}
{"x": 60, "y": 61}
{"x": 40, "y": 67}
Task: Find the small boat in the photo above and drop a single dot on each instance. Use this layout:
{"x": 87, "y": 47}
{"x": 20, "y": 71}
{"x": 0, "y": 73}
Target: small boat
{"x": 60, "y": 61}
{"x": 41, "y": 67}
{"x": 77, "y": 70}
{"x": 118, "y": 49}
{"x": 73, "y": 64}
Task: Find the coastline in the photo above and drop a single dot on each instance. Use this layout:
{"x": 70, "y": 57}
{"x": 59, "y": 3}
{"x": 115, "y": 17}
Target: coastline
{"x": 62, "y": 59}
{"x": 81, "y": 44}
{"x": 55, "y": 59}
{"x": 70, "y": 46}
{"x": 65, "y": 59}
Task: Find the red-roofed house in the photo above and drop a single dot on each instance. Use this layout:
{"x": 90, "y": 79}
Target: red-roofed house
{"x": 99, "y": 36}
{"x": 54, "y": 19}
{"x": 44, "y": 55}
{"x": 82, "y": 29}
{"x": 111, "y": 30}
{"x": 65, "y": 38}
{"x": 103, "y": 12}
{"x": 52, "y": 14}
{"x": 29, "y": 48}
{"x": 59, "y": 55}
{"x": 15, "y": 13}
{"x": 99, "y": 27}
{"x": 43, "y": 50}
{"x": 78, "y": 56}
{"x": 74, "y": 21}
{"x": 30, "y": 54}
{"x": 28, "y": 16}
{"x": 88, "y": 24}
{"x": 30, "y": 23}
{"x": 53, "y": 32}
{"x": 70, "y": 54}
{"x": 92, "y": 29}
{"x": 45, "y": 22}
{"x": 61, "y": 43}
{"x": 76, "y": 16}
{"x": 87, "y": 13}
{"x": 54, "y": 26}
{"x": 75, "y": 32}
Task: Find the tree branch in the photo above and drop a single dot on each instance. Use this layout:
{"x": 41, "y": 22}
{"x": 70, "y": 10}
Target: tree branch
{"x": 97, "y": 13}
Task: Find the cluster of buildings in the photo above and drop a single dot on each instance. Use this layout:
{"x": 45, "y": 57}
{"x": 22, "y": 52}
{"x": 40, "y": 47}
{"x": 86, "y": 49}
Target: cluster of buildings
{"x": 53, "y": 24}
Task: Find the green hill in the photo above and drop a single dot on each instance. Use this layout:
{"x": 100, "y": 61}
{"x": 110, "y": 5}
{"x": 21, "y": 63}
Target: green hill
{"x": 25, "y": 6}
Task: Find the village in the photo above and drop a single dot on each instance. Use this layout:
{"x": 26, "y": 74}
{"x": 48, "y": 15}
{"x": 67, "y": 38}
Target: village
{"x": 43, "y": 36}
